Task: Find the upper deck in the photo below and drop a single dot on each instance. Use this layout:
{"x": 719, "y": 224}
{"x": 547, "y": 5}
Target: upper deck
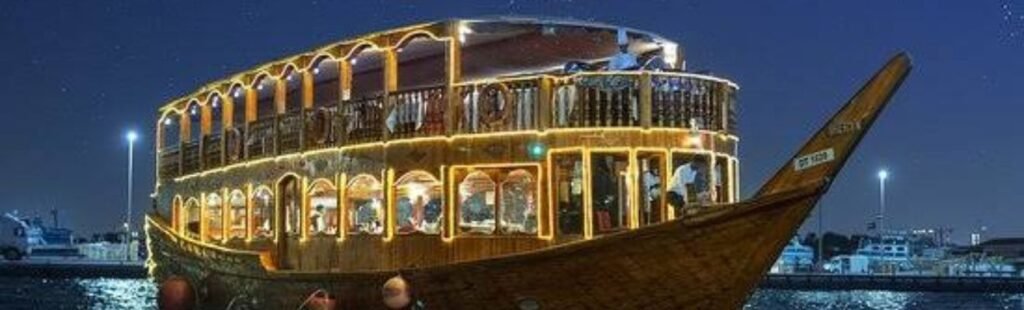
{"x": 440, "y": 80}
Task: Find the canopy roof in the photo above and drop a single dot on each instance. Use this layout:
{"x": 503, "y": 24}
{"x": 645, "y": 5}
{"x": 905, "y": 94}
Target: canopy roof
{"x": 491, "y": 47}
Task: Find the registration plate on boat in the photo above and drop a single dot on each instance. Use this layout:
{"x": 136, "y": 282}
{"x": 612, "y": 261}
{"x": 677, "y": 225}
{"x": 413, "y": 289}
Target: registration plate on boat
{"x": 814, "y": 159}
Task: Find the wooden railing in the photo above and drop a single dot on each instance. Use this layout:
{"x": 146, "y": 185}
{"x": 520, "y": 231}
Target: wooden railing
{"x": 498, "y": 106}
{"x": 190, "y": 157}
{"x": 417, "y": 113}
{"x": 259, "y": 142}
{"x": 170, "y": 160}
{"x": 582, "y": 100}
{"x": 211, "y": 152}
{"x": 362, "y": 119}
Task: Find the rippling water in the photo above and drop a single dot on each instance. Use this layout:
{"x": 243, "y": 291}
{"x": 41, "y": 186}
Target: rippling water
{"x": 38, "y": 294}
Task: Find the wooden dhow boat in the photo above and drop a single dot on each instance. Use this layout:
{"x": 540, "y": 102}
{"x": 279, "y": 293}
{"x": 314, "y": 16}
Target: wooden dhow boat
{"x": 523, "y": 184}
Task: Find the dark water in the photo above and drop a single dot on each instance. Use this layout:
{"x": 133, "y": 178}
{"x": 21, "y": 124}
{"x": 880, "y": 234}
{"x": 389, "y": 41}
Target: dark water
{"x": 38, "y": 294}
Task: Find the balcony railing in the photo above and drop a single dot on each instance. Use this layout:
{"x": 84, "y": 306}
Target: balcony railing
{"x": 190, "y": 157}
{"x": 583, "y": 100}
{"x": 259, "y": 142}
{"x": 211, "y": 152}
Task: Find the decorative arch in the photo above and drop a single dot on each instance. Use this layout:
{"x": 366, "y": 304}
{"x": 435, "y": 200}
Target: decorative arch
{"x": 214, "y": 105}
{"x": 419, "y": 204}
{"x": 266, "y": 89}
{"x": 292, "y": 77}
{"x": 412, "y": 35}
{"x": 191, "y": 118}
{"x": 364, "y": 200}
{"x": 477, "y": 203}
{"x": 326, "y": 73}
{"x": 168, "y": 130}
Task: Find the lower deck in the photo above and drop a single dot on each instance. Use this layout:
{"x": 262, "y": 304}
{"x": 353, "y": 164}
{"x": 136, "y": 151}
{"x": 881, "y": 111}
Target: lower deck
{"x": 429, "y": 203}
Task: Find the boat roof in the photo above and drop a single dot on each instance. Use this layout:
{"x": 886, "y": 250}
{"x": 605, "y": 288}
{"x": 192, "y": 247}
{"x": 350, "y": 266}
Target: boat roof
{"x": 492, "y": 46}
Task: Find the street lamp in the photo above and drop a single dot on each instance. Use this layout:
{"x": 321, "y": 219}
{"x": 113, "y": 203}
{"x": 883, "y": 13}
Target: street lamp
{"x": 882, "y": 176}
{"x": 131, "y": 136}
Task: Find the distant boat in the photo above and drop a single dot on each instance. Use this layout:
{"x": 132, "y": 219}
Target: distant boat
{"x": 29, "y": 236}
{"x": 472, "y": 170}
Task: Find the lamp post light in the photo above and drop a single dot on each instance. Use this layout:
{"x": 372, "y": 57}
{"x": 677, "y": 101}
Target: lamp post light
{"x": 131, "y": 136}
{"x": 882, "y": 176}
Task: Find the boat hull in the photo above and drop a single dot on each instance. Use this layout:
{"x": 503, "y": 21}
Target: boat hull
{"x": 710, "y": 260}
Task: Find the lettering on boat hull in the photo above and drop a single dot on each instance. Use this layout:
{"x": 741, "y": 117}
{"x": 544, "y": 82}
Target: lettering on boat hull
{"x": 814, "y": 159}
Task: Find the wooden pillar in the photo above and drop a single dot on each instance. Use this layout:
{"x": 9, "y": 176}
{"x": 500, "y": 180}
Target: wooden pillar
{"x": 645, "y": 100}
{"x": 202, "y": 218}
{"x": 280, "y": 104}
{"x": 345, "y": 79}
{"x": 225, "y": 211}
{"x": 250, "y": 116}
{"x": 307, "y": 105}
{"x": 453, "y": 70}
{"x": 588, "y": 203}
{"x": 342, "y": 187}
{"x": 185, "y": 136}
{"x": 390, "y": 73}
{"x": 227, "y": 120}
{"x": 248, "y": 213}
{"x": 544, "y": 102}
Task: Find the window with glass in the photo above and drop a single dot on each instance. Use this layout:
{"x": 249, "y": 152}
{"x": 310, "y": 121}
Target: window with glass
{"x": 609, "y": 182}
{"x": 365, "y": 202}
{"x": 418, "y": 204}
{"x": 323, "y": 209}
{"x": 214, "y": 217}
{"x": 477, "y": 195}
{"x": 568, "y": 180}
{"x": 263, "y": 213}
{"x": 192, "y": 217}
{"x": 238, "y": 215}
{"x": 519, "y": 203}
{"x": 690, "y": 182}
{"x": 650, "y": 186}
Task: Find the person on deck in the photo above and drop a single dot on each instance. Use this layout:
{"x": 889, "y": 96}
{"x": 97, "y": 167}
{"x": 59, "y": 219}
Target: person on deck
{"x": 623, "y": 60}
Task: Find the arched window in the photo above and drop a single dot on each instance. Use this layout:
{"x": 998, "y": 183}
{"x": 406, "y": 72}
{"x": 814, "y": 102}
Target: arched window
{"x": 214, "y": 217}
{"x": 263, "y": 212}
{"x": 191, "y": 218}
{"x": 418, "y": 204}
{"x": 265, "y": 89}
{"x": 326, "y": 86}
{"x": 323, "y": 208}
{"x": 365, "y": 198}
{"x": 234, "y": 134}
{"x": 290, "y": 204}
{"x": 238, "y": 215}
{"x": 194, "y": 112}
{"x": 170, "y": 131}
{"x": 518, "y": 203}
{"x": 293, "y": 89}
{"x": 367, "y": 79}
{"x": 477, "y": 194}
{"x": 215, "y": 105}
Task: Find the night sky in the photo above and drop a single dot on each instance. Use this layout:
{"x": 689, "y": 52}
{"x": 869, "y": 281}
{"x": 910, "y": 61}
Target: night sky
{"x": 78, "y": 74}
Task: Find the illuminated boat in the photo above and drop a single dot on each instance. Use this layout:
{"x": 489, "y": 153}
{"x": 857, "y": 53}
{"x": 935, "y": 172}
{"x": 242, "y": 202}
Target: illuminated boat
{"x": 494, "y": 163}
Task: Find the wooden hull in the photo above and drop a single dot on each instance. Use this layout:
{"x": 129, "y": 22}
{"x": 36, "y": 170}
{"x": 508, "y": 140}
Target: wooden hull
{"x": 711, "y": 260}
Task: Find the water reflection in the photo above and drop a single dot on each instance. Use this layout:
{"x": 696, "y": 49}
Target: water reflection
{"x": 881, "y": 300}
{"x": 38, "y": 293}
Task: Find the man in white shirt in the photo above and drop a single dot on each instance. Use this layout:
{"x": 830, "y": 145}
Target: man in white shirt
{"x": 623, "y": 60}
